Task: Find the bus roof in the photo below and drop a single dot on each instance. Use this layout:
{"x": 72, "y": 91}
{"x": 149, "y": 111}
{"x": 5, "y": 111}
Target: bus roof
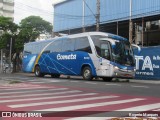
{"x": 109, "y": 35}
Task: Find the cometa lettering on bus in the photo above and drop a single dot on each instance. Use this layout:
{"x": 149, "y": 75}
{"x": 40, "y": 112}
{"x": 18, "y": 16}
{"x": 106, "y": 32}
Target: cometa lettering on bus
{"x": 66, "y": 57}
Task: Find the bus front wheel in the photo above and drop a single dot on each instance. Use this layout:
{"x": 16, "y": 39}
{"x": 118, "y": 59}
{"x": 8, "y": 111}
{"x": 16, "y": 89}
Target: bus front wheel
{"x": 38, "y": 72}
{"x": 87, "y": 73}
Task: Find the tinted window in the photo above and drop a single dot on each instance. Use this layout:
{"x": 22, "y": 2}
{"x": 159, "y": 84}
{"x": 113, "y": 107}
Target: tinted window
{"x": 102, "y": 46}
{"x": 28, "y": 49}
{"x": 82, "y": 44}
{"x": 56, "y": 46}
{"x": 68, "y": 45}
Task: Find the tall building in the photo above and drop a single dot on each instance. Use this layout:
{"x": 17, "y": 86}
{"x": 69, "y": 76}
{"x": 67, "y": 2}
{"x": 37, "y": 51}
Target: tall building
{"x": 7, "y": 8}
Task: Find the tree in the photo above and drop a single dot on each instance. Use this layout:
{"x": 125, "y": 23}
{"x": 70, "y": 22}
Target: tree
{"x": 8, "y": 30}
{"x": 32, "y": 26}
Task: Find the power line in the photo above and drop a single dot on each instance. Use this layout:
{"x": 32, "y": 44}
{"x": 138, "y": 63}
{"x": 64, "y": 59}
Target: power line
{"x": 89, "y": 9}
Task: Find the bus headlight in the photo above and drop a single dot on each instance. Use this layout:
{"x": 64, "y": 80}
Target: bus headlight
{"x": 117, "y": 68}
{"x": 134, "y": 69}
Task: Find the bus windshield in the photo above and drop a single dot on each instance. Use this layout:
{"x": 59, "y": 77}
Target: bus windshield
{"x": 122, "y": 53}
{"x": 118, "y": 51}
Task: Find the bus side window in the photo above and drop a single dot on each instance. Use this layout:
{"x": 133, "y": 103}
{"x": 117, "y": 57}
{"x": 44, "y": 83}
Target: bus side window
{"x": 105, "y": 50}
{"x": 56, "y": 46}
{"x": 46, "y": 51}
{"x": 68, "y": 45}
{"x": 82, "y": 44}
{"x": 26, "y": 52}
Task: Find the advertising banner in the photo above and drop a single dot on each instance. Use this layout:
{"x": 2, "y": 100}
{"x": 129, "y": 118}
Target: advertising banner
{"x": 148, "y": 63}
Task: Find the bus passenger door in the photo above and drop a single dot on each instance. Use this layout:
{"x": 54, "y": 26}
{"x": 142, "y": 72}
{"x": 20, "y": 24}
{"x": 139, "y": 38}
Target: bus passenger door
{"x": 103, "y": 61}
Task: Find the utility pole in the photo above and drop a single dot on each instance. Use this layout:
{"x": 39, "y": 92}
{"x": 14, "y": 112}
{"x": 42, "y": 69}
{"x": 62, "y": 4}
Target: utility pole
{"x": 98, "y": 15}
{"x": 142, "y": 31}
{"x": 83, "y": 18}
{"x": 130, "y": 24}
{"x": 1, "y": 60}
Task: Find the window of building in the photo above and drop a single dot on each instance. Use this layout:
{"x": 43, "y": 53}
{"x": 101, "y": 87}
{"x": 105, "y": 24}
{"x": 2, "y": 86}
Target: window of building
{"x": 155, "y": 25}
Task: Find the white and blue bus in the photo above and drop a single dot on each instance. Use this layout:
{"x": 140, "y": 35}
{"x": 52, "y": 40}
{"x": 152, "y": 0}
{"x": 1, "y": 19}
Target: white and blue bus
{"x": 90, "y": 54}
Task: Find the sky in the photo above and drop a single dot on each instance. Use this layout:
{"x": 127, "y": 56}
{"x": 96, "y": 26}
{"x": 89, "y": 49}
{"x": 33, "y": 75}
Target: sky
{"x": 42, "y": 8}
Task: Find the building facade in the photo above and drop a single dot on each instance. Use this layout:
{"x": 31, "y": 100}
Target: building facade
{"x": 71, "y": 15}
{"x": 7, "y": 8}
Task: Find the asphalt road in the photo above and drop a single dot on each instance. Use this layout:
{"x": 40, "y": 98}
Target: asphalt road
{"x": 97, "y": 97}
{"x": 118, "y": 87}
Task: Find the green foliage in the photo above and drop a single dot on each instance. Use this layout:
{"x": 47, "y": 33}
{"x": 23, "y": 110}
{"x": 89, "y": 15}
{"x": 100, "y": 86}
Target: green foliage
{"x": 4, "y": 40}
{"x": 7, "y": 25}
{"x": 32, "y": 26}
{"x": 8, "y": 30}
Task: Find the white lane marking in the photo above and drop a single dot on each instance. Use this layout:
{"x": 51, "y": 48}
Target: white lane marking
{"x": 36, "y": 94}
{"x": 30, "y": 91}
{"x": 91, "y": 83}
{"x": 140, "y": 86}
{"x": 157, "y": 110}
{"x": 75, "y": 107}
{"x": 37, "y": 82}
{"x": 28, "y": 88}
{"x": 26, "y": 99}
{"x": 47, "y": 81}
{"x": 75, "y": 81}
{"x": 113, "y": 84}
{"x": 142, "y": 107}
{"x": 63, "y": 101}
{"x": 31, "y": 80}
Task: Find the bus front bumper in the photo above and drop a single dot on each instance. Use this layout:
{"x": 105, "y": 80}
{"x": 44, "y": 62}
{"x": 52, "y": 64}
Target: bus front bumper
{"x": 124, "y": 73}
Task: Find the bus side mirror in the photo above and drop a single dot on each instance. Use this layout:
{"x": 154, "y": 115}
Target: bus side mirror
{"x": 136, "y": 46}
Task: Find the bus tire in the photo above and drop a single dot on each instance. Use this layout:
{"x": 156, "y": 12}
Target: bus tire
{"x": 55, "y": 75}
{"x": 107, "y": 79}
{"x": 37, "y": 72}
{"x": 87, "y": 73}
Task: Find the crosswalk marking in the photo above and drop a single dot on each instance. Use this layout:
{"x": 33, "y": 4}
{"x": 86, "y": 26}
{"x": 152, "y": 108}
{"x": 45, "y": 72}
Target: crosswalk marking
{"x": 157, "y": 110}
{"x": 5, "y": 89}
{"x": 75, "y": 107}
{"x": 38, "y": 97}
{"x": 40, "y": 94}
{"x": 142, "y": 108}
{"x": 26, "y": 99}
{"x": 30, "y": 91}
{"x": 63, "y": 101}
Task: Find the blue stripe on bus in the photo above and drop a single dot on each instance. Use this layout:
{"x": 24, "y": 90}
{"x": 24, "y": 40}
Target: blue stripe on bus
{"x": 50, "y": 64}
